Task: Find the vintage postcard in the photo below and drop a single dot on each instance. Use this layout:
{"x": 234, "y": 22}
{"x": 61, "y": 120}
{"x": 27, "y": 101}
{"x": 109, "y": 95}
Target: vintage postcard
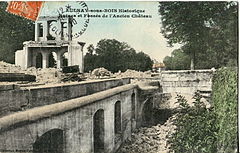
{"x": 119, "y": 76}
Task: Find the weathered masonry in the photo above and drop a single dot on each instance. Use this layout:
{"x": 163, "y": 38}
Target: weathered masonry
{"x": 57, "y": 41}
{"x": 99, "y": 122}
{"x": 186, "y": 81}
{"x": 91, "y": 117}
{"x": 13, "y": 99}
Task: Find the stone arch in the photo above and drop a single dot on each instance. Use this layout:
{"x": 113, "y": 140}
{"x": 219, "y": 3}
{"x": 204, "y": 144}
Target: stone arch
{"x": 117, "y": 118}
{"x": 98, "y": 131}
{"x": 133, "y": 104}
{"x": 65, "y": 59}
{"x": 147, "y": 111}
{"x": 133, "y": 111}
{"x": 50, "y": 142}
{"x": 39, "y": 59}
{"x": 52, "y": 59}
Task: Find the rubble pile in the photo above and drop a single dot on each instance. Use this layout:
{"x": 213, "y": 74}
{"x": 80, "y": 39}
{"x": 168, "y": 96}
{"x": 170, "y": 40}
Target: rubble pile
{"x": 100, "y": 73}
{"x": 9, "y": 68}
{"x": 154, "y": 139}
{"x": 53, "y": 75}
{"x": 47, "y": 75}
{"x": 71, "y": 77}
{"x": 104, "y": 73}
{"x": 150, "y": 139}
{"x": 132, "y": 74}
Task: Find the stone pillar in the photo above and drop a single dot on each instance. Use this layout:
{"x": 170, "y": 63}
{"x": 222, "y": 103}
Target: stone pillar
{"x": 27, "y": 63}
{"x": 59, "y": 60}
{"x": 20, "y": 58}
{"x": 36, "y": 31}
{"x": 75, "y": 54}
{"x": 45, "y": 59}
{"x": 82, "y": 57}
{"x": 69, "y": 30}
{"x": 45, "y": 30}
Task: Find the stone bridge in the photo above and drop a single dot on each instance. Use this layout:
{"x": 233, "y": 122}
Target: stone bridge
{"x": 86, "y": 117}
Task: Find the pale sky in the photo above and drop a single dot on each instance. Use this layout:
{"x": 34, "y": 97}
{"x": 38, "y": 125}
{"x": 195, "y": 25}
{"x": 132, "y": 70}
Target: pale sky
{"x": 142, "y": 34}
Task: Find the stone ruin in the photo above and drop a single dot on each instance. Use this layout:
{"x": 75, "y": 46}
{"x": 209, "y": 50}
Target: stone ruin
{"x": 45, "y": 44}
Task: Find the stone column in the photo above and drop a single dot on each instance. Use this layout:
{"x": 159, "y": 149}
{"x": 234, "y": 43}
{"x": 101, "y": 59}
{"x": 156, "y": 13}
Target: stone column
{"x": 82, "y": 67}
{"x": 26, "y": 63}
{"x": 69, "y": 30}
{"x": 36, "y": 31}
{"x": 45, "y": 30}
{"x": 75, "y": 54}
{"x": 45, "y": 59}
{"x": 20, "y": 58}
{"x": 59, "y": 60}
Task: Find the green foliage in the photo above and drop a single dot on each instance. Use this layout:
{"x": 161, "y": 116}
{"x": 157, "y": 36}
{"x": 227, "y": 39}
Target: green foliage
{"x": 114, "y": 56}
{"x": 207, "y": 30}
{"x": 14, "y": 31}
{"x": 209, "y": 130}
{"x": 225, "y": 96}
{"x": 178, "y": 60}
{"x": 196, "y": 130}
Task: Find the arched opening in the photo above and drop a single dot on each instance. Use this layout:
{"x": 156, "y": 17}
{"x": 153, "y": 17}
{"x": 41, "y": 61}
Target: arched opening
{"x": 39, "y": 59}
{"x": 65, "y": 59}
{"x": 133, "y": 106}
{"x": 50, "y": 142}
{"x": 147, "y": 113}
{"x": 98, "y": 131}
{"x": 52, "y": 59}
{"x": 117, "y": 120}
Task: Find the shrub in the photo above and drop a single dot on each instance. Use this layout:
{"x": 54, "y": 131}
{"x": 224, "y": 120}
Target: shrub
{"x": 225, "y": 103}
{"x": 196, "y": 130}
{"x": 209, "y": 130}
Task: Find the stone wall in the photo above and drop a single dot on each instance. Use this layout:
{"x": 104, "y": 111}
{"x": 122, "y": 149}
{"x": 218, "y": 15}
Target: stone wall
{"x": 22, "y": 99}
{"x": 186, "y": 81}
{"x": 74, "y": 118}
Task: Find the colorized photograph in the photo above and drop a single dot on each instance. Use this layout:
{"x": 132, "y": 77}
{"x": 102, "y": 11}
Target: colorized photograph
{"x": 119, "y": 76}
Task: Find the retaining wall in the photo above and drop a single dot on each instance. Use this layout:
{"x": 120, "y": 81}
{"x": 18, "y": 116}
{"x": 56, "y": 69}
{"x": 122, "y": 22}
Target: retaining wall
{"x": 186, "y": 81}
{"x": 19, "y": 131}
{"x": 22, "y": 99}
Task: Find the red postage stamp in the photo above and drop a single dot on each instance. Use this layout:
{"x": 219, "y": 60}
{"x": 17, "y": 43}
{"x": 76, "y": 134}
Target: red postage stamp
{"x": 27, "y": 9}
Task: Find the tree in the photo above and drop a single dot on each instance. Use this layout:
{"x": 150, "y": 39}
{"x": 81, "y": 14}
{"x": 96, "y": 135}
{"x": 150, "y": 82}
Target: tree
{"x": 114, "y": 56}
{"x": 179, "y": 60}
{"x": 202, "y": 28}
{"x": 14, "y": 31}
{"x": 109, "y": 52}
{"x": 143, "y": 62}
{"x": 90, "y": 59}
